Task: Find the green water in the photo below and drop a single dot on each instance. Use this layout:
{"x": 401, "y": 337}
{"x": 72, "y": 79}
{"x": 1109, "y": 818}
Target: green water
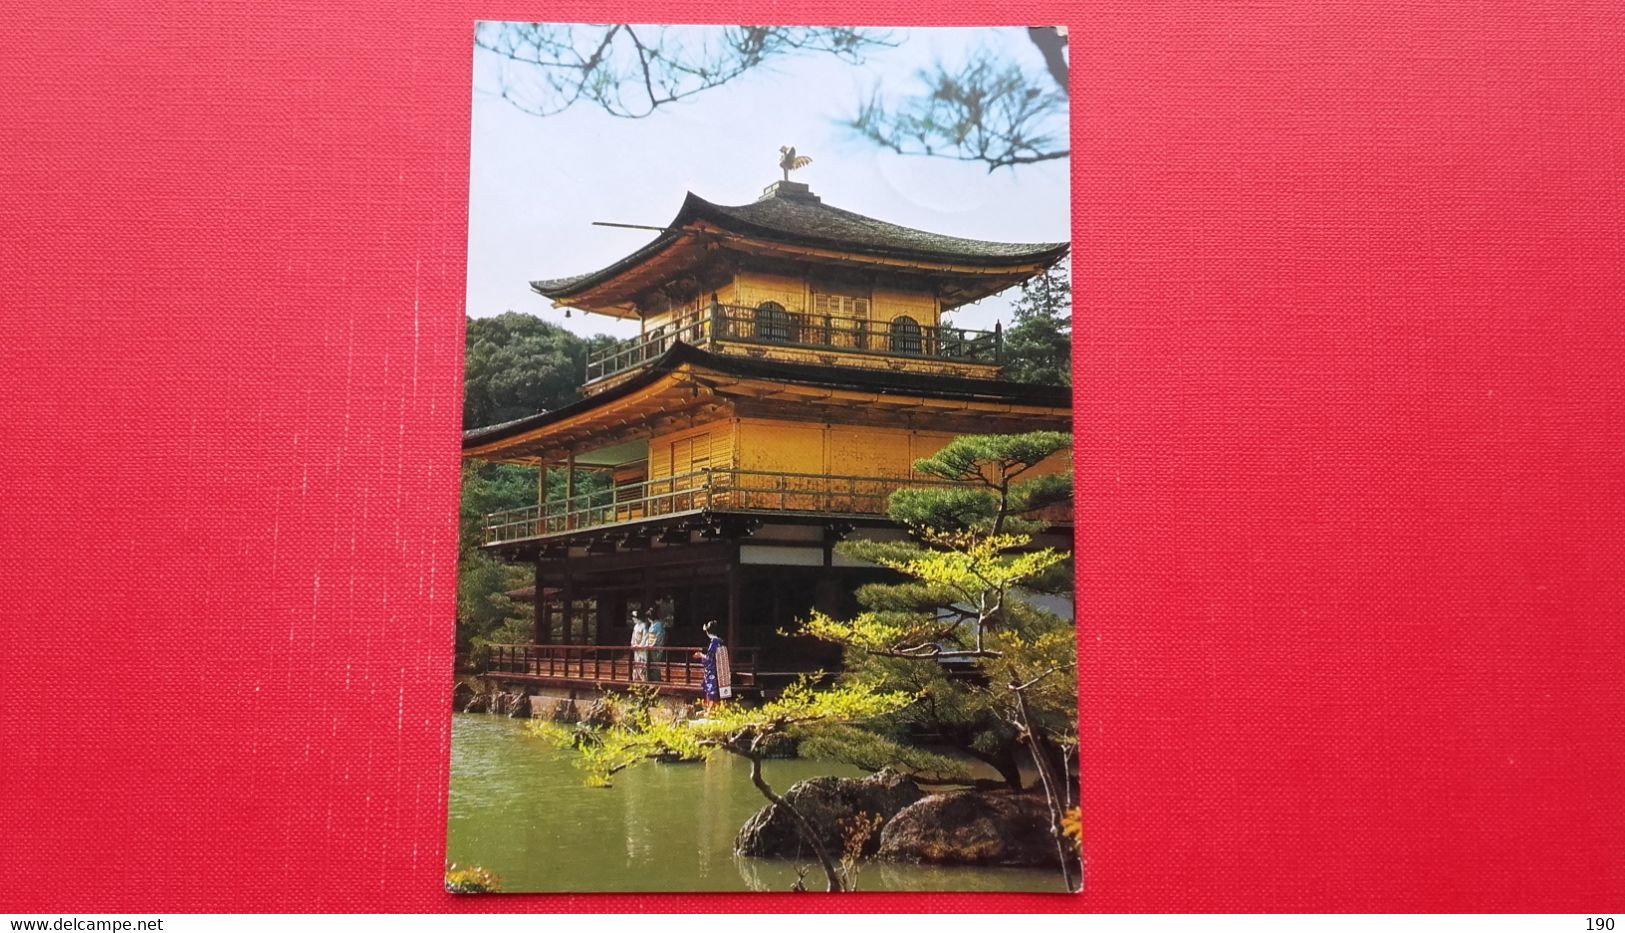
{"x": 519, "y": 809}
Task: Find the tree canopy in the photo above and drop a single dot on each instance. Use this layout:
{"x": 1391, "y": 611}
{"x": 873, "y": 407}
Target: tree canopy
{"x": 518, "y": 364}
{"x": 1038, "y": 344}
{"x": 994, "y": 672}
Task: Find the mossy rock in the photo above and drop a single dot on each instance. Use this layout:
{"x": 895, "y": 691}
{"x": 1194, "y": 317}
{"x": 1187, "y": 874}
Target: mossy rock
{"x": 972, "y": 828}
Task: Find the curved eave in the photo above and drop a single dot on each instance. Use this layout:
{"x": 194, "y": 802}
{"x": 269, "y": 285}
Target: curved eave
{"x": 974, "y": 253}
{"x": 692, "y": 366}
{"x": 698, "y": 220}
{"x": 571, "y": 291}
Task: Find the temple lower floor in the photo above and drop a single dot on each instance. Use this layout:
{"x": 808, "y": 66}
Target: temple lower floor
{"x": 589, "y": 601}
{"x": 758, "y": 582}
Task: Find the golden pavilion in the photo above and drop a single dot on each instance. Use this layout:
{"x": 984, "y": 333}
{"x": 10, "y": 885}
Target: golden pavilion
{"x": 793, "y": 361}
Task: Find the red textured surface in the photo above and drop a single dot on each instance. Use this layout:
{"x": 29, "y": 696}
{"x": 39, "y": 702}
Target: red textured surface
{"x": 1352, "y": 453}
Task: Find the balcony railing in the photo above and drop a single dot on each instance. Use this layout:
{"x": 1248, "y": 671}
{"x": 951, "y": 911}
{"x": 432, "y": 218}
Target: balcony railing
{"x": 771, "y": 325}
{"x": 667, "y": 667}
{"x": 707, "y": 490}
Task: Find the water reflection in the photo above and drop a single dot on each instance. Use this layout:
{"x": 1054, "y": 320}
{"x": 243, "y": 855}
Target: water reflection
{"x": 519, "y": 808}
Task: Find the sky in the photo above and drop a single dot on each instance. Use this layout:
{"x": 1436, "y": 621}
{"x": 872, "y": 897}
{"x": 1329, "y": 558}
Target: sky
{"x": 538, "y": 183}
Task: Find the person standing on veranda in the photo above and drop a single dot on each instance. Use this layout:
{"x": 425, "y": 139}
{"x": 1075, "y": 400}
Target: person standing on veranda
{"x": 656, "y": 639}
{"x": 717, "y": 682}
{"x": 640, "y": 640}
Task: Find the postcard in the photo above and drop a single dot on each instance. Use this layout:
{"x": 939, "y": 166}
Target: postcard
{"x": 765, "y": 579}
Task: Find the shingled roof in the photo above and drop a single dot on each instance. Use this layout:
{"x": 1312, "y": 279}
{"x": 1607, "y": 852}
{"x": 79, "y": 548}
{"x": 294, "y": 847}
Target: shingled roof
{"x": 884, "y": 382}
{"x": 788, "y": 212}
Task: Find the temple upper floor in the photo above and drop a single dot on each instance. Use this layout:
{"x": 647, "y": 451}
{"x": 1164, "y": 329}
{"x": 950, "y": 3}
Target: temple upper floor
{"x": 791, "y": 279}
{"x": 784, "y": 318}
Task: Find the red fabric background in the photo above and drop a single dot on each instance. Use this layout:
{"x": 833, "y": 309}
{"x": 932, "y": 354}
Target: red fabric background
{"x": 1351, "y": 448}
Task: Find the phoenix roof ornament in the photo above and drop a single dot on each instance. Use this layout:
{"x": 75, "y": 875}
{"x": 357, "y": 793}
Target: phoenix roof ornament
{"x": 789, "y": 161}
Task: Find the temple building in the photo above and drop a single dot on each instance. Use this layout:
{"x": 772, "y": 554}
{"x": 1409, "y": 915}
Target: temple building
{"x": 793, "y": 361}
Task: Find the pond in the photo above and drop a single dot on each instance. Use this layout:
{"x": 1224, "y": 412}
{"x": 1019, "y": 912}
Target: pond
{"x": 518, "y": 808}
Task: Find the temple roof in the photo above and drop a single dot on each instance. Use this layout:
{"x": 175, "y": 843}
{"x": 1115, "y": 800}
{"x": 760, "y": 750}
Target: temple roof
{"x": 880, "y": 382}
{"x": 789, "y": 213}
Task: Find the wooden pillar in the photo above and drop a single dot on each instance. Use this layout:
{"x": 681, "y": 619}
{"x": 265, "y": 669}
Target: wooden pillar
{"x": 569, "y": 487}
{"x": 543, "y": 636}
{"x": 547, "y": 622}
{"x": 569, "y": 596}
{"x": 649, "y": 583}
{"x": 542, "y": 513}
{"x": 735, "y": 572}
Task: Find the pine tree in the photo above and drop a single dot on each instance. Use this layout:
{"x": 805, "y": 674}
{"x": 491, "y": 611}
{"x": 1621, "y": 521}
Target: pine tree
{"x": 1038, "y": 344}
{"x": 994, "y": 673}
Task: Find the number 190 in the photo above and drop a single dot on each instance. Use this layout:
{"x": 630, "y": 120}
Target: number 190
{"x": 1599, "y": 923}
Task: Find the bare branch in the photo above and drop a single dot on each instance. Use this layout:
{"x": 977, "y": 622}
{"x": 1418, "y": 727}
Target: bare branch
{"x": 933, "y": 651}
{"x": 547, "y": 68}
{"x": 1034, "y": 682}
{"x": 985, "y": 110}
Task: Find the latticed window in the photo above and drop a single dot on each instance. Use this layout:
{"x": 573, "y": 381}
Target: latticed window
{"x": 773, "y": 322}
{"x": 840, "y": 305}
{"x": 905, "y": 336}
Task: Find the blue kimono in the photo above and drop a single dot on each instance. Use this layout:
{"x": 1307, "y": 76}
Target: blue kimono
{"x": 708, "y": 662}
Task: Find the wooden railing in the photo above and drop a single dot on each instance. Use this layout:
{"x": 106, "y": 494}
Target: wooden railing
{"x": 671, "y": 667}
{"x": 707, "y": 490}
{"x": 771, "y": 325}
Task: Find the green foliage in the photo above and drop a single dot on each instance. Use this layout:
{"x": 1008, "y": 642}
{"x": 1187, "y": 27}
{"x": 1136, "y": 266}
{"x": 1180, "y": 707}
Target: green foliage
{"x": 491, "y": 487}
{"x": 944, "y": 508}
{"x": 961, "y": 629}
{"x": 967, "y": 578}
{"x": 872, "y": 751}
{"x": 998, "y": 498}
{"x": 643, "y": 733}
{"x": 518, "y": 364}
{"x": 637, "y": 729}
{"x": 993, "y": 459}
{"x": 591, "y": 483}
{"x": 1038, "y": 344}
{"x": 485, "y": 613}
{"x": 471, "y": 880}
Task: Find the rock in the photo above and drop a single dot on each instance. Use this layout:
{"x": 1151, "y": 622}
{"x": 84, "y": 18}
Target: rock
{"x": 972, "y": 828}
{"x": 559, "y": 710}
{"x": 826, "y": 803}
{"x": 600, "y": 715}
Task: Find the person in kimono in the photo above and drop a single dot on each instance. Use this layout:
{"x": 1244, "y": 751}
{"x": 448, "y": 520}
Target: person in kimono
{"x": 640, "y": 639}
{"x": 717, "y": 680}
{"x": 656, "y": 638}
